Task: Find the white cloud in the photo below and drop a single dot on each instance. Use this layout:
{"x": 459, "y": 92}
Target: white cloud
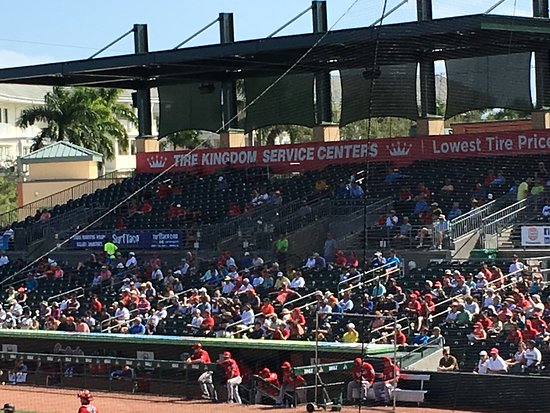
{"x": 9, "y": 58}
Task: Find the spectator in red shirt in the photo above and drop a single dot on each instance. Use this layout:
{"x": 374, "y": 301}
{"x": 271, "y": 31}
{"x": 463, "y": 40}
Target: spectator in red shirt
{"x": 207, "y": 325}
{"x": 514, "y": 336}
{"x": 95, "y": 304}
{"x": 362, "y": 378}
{"x": 233, "y": 377}
{"x": 340, "y": 259}
{"x": 146, "y": 207}
{"x": 426, "y": 309}
{"x": 384, "y": 388}
{"x": 400, "y": 337}
{"x": 234, "y": 210}
{"x": 267, "y": 308}
{"x": 296, "y": 323}
{"x": 120, "y": 224}
{"x": 201, "y": 356}
{"x": 165, "y": 190}
{"x": 529, "y": 333}
{"x": 175, "y": 211}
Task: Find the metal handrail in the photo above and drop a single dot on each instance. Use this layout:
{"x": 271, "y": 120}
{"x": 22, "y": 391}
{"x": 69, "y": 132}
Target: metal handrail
{"x": 497, "y": 289}
{"x": 61, "y": 197}
{"x": 471, "y": 221}
{"x": 360, "y": 275}
{"x": 450, "y": 299}
{"x": 67, "y": 292}
{"x": 492, "y": 224}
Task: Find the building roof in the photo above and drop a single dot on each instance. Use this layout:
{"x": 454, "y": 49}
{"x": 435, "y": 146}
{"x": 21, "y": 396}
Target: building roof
{"x": 439, "y": 39}
{"x": 61, "y": 152}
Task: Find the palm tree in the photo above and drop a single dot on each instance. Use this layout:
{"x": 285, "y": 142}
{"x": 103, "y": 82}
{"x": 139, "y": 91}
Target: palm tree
{"x": 84, "y": 116}
{"x": 188, "y": 139}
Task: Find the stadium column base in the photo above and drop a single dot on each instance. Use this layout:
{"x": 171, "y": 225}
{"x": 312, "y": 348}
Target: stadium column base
{"x": 430, "y": 126}
{"x": 326, "y": 133}
{"x": 147, "y": 144}
{"x": 233, "y": 138}
{"x": 540, "y": 119}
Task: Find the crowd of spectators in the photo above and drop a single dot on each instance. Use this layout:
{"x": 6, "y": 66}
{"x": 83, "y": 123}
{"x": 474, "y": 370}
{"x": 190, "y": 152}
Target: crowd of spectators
{"x": 260, "y": 300}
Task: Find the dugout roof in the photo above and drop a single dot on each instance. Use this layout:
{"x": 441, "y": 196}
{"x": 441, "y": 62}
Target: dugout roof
{"x": 440, "y": 39}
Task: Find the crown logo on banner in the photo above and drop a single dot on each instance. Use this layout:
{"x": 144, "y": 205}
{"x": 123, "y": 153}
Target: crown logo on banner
{"x": 157, "y": 161}
{"x": 399, "y": 149}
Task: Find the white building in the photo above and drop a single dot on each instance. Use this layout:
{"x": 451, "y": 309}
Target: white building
{"x": 16, "y": 142}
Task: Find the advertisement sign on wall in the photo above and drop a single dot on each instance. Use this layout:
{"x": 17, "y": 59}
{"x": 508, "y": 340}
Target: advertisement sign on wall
{"x": 535, "y": 236}
{"x": 317, "y": 155}
{"x": 128, "y": 239}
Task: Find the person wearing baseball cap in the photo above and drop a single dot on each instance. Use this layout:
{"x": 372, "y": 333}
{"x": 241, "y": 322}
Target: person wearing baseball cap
{"x": 233, "y": 377}
{"x": 288, "y": 394}
{"x": 495, "y": 363}
{"x": 362, "y": 377}
{"x": 383, "y": 389}
{"x": 8, "y": 408}
{"x": 267, "y": 382}
{"x": 86, "y": 405}
{"x": 482, "y": 364}
{"x": 206, "y": 383}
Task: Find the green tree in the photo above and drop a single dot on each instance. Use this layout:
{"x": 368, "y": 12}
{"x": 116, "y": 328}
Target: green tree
{"x": 90, "y": 117}
{"x": 188, "y": 139}
{"x": 8, "y": 194}
{"x": 377, "y": 128}
{"x": 296, "y": 133}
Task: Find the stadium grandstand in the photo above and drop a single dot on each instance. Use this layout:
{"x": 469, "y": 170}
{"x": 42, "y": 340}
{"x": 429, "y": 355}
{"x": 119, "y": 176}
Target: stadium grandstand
{"x": 282, "y": 274}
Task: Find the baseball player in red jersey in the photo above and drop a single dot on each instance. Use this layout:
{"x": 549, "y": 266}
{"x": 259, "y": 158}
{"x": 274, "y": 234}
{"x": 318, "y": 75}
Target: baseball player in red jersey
{"x": 233, "y": 376}
{"x": 290, "y": 382}
{"x": 362, "y": 375}
{"x": 86, "y": 405}
{"x": 383, "y": 390}
{"x": 268, "y": 377}
{"x": 201, "y": 356}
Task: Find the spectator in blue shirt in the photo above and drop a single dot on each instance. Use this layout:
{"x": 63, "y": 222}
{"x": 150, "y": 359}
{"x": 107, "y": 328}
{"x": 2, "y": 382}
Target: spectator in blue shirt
{"x": 137, "y": 327}
{"x": 355, "y": 191}
{"x": 454, "y": 212}
{"x": 422, "y": 337}
{"x": 393, "y": 260}
{"x": 421, "y": 206}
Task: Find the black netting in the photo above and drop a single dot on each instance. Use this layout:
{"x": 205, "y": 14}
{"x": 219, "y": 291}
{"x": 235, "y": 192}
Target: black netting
{"x": 190, "y": 106}
{"x": 289, "y": 101}
{"x": 393, "y": 93}
{"x": 501, "y": 81}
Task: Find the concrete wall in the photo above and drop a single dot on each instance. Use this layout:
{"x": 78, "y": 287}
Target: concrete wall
{"x": 63, "y": 170}
{"x": 28, "y": 192}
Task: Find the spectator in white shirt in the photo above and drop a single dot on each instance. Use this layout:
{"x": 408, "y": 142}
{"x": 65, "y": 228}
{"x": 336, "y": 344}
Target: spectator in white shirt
{"x": 495, "y": 363}
{"x": 533, "y": 356}
{"x": 4, "y": 260}
{"x": 247, "y": 315}
{"x": 482, "y": 367}
{"x": 546, "y": 210}
{"x": 298, "y": 282}
{"x": 257, "y": 261}
{"x": 245, "y": 286}
{"x": 516, "y": 265}
{"x": 131, "y": 262}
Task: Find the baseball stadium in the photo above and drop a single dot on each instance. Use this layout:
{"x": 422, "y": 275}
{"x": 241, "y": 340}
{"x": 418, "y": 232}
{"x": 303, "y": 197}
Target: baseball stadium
{"x": 352, "y": 218}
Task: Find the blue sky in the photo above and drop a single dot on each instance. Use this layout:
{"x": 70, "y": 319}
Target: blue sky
{"x": 38, "y": 31}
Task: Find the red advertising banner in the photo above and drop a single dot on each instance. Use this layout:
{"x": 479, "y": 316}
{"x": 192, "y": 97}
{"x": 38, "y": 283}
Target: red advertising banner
{"x": 317, "y": 155}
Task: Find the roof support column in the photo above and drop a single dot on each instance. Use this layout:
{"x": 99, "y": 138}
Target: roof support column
{"x": 325, "y": 130}
{"x": 542, "y": 68}
{"x": 229, "y": 87}
{"x": 143, "y": 96}
{"x": 429, "y": 123}
{"x": 230, "y": 136}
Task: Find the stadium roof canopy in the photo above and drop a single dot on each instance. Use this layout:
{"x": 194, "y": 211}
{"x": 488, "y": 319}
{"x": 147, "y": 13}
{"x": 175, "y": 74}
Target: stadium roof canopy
{"x": 440, "y": 39}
